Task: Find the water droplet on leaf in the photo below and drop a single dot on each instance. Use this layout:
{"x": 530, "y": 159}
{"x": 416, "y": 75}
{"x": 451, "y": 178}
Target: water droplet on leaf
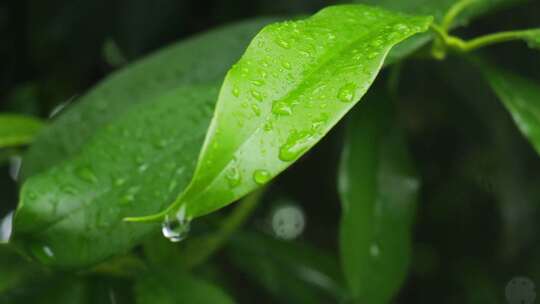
{"x": 286, "y": 65}
{"x": 401, "y": 27}
{"x": 233, "y": 176}
{"x": 346, "y": 92}
{"x": 257, "y": 95}
{"x": 372, "y": 55}
{"x": 281, "y": 108}
{"x": 143, "y": 167}
{"x": 268, "y": 126}
{"x": 295, "y": 145}
{"x": 236, "y": 91}
{"x": 256, "y": 109}
{"x": 284, "y": 44}
{"x": 261, "y": 176}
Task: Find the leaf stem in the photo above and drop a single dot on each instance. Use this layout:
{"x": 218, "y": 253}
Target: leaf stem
{"x": 453, "y": 12}
{"x": 494, "y": 38}
{"x": 445, "y": 42}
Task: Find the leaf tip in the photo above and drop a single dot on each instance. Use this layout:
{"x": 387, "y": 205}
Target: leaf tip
{"x": 140, "y": 219}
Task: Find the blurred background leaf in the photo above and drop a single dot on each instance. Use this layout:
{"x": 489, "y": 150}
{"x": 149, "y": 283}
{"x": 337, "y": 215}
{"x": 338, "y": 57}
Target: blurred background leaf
{"x": 172, "y": 285}
{"x": 291, "y": 272}
{"x": 16, "y": 130}
{"x": 378, "y": 190}
{"x": 520, "y": 96}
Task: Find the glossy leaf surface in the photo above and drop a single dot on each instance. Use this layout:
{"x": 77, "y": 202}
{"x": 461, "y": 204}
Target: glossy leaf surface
{"x": 71, "y": 215}
{"x": 293, "y": 84}
{"x": 17, "y": 130}
{"x": 378, "y": 189}
{"x": 193, "y": 61}
{"x": 520, "y": 96}
{"x": 128, "y": 150}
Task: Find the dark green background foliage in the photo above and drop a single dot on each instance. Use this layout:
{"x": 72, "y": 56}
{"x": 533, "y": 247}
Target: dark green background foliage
{"x": 427, "y": 191}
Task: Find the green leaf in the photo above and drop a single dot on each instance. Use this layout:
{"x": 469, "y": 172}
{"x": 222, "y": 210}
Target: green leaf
{"x": 171, "y": 286}
{"x": 193, "y": 61}
{"x": 17, "y": 130}
{"x": 291, "y": 271}
{"x": 128, "y": 146}
{"x": 71, "y": 215}
{"x": 520, "y": 96}
{"x": 378, "y": 189}
{"x": 296, "y": 80}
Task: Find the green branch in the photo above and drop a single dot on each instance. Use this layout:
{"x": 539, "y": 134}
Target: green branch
{"x": 494, "y": 38}
{"x": 453, "y": 12}
{"x": 445, "y": 42}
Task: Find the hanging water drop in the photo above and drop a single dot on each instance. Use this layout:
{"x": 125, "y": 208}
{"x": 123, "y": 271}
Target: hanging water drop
{"x": 176, "y": 229}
